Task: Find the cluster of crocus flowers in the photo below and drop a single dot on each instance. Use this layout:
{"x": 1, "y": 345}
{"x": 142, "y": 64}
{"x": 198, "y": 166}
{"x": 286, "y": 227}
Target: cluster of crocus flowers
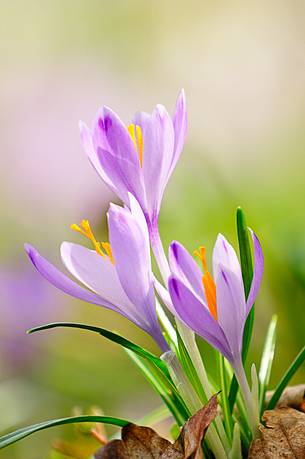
{"x": 136, "y": 162}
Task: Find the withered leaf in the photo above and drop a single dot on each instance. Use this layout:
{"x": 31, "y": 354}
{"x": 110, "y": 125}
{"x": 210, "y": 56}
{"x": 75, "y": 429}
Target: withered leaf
{"x": 292, "y": 396}
{"x": 283, "y": 436}
{"x": 144, "y": 443}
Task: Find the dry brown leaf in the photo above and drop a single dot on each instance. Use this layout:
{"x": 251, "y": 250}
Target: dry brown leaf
{"x": 283, "y": 436}
{"x": 144, "y": 443}
{"x": 292, "y": 396}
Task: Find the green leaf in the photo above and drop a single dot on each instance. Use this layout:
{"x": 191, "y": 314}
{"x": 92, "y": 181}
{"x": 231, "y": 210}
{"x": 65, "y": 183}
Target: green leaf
{"x": 295, "y": 365}
{"x": 247, "y": 273}
{"x": 228, "y": 421}
{"x": 267, "y": 361}
{"x": 112, "y": 337}
{"x": 19, "y": 434}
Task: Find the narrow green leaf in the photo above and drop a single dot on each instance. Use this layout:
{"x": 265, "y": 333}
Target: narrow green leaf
{"x": 267, "y": 361}
{"x": 295, "y": 365}
{"x": 111, "y": 336}
{"x": 224, "y": 398}
{"x": 247, "y": 273}
{"x": 19, "y": 434}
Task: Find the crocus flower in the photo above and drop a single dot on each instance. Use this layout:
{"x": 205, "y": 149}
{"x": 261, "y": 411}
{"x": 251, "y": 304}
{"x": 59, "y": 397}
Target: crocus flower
{"x": 117, "y": 275}
{"x": 140, "y": 158}
{"x": 216, "y": 309}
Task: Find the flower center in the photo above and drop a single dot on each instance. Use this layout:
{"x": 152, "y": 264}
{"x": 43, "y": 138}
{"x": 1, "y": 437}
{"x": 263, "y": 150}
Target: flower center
{"x": 208, "y": 282}
{"x": 135, "y": 132}
{"x": 85, "y": 229}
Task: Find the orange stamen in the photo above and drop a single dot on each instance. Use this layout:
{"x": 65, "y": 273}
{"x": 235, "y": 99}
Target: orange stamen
{"x": 85, "y": 229}
{"x": 208, "y": 282}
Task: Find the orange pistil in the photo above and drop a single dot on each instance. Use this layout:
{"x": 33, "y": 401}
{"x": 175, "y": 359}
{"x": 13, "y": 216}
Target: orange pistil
{"x": 85, "y": 229}
{"x": 135, "y": 133}
{"x": 208, "y": 282}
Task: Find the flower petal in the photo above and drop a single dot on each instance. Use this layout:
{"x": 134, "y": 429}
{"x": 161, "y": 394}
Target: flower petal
{"x": 231, "y": 308}
{"x": 158, "y": 149}
{"x": 61, "y": 281}
{"x": 87, "y": 139}
{"x": 180, "y": 128}
{"x": 132, "y": 261}
{"x": 258, "y": 271}
{"x": 184, "y": 266}
{"x": 98, "y": 274}
{"x": 196, "y": 316}
{"x": 124, "y": 173}
{"x": 224, "y": 256}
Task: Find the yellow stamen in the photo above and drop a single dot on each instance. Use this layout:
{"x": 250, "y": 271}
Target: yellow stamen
{"x": 85, "y": 229}
{"x": 135, "y": 132}
{"x": 208, "y": 282}
{"x": 107, "y": 248}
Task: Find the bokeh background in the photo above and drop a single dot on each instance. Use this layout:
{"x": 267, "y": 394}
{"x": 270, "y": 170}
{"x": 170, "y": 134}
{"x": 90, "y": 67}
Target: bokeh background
{"x": 242, "y": 66}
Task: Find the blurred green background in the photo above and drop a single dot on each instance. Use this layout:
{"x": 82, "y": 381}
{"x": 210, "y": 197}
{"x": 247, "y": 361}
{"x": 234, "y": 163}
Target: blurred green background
{"x": 242, "y": 66}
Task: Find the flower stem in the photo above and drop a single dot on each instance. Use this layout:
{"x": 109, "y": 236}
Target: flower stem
{"x": 247, "y": 396}
{"x": 159, "y": 253}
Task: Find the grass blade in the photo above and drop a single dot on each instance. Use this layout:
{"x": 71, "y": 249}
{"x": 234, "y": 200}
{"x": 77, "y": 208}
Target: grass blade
{"x": 295, "y": 365}
{"x": 228, "y": 421}
{"x": 19, "y": 434}
{"x": 267, "y": 361}
{"x": 112, "y": 337}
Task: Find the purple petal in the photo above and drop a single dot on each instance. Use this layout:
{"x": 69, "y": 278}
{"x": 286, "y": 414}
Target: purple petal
{"x": 125, "y": 174}
{"x": 132, "y": 261}
{"x": 90, "y": 147}
{"x": 98, "y": 274}
{"x": 158, "y": 149}
{"x": 180, "y": 128}
{"x": 224, "y": 256}
{"x": 258, "y": 271}
{"x": 196, "y": 316}
{"x": 184, "y": 266}
{"x": 231, "y": 308}
{"x": 63, "y": 282}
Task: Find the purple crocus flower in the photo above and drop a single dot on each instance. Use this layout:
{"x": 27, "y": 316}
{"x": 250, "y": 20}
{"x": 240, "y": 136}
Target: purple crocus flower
{"x": 117, "y": 275}
{"x": 139, "y": 159}
{"x": 215, "y": 309}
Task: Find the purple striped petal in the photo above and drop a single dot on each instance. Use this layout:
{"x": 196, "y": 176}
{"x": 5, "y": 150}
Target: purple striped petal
{"x": 98, "y": 274}
{"x": 63, "y": 282}
{"x": 90, "y": 147}
{"x": 184, "y": 266}
{"x": 258, "y": 271}
{"x": 124, "y": 173}
{"x": 231, "y": 308}
{"x": 132, "y": 261}
{"x": 158, "y": 149}
{"x": 196, "y": 316}
{"x": 224, "y": 256}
